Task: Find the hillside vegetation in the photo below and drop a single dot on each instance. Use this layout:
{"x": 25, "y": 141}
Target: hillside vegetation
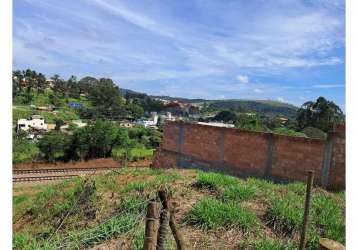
{"x": 215, "y": 211}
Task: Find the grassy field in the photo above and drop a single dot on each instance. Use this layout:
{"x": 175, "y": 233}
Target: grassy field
{"x": 215, "y": 211}
{"x": 134, "y": 154}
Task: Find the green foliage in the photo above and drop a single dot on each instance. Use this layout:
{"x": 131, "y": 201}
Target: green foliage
{"x": 210, "y": 213}
{"x": 23, "y": 150}
{"x": 226, "y": 116}
{"x": 319, "y": 114}
{"x": 314, "y": 133}
{"x": 147, "y": 137}
{"x": 97, "y": 140}
{"x": 246, "y": 106}
{"x": 289, "y": 132}
{"x": 252, "y": 123}
{"x": 285, "y": 215}
{"x": 328, "y": 217}
{"x": 269, "y": 244}
{"x": 238, "y": 193}
{"x": 327, "y": 220}
{"x": 132, "y": 154}
{"x": 52, "y": 146}
{"x": 214, "y": 180}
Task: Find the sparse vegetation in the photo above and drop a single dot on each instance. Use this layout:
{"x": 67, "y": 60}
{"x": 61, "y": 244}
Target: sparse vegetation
{"x": 210, "y": 213}
{"x": 212, "y": 206}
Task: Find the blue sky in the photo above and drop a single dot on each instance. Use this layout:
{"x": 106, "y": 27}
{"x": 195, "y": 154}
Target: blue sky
{"x": 286, "y": 50}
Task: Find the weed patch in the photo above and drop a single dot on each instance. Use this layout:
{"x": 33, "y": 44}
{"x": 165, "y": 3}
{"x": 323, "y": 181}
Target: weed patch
{"x": 214, "y": 180}
{"x": 269, "y": 244}
{"x": 238, "y": 193}
{"x": 285, "y": 215}
{"x": 210, "y": 213}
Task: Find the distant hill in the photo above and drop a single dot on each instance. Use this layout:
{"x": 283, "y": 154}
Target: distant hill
{"x": 267, "y": 107}
{"x": 259, "y": 106}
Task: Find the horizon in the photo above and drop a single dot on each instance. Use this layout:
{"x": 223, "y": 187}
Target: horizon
{"x": 286, "y": 51}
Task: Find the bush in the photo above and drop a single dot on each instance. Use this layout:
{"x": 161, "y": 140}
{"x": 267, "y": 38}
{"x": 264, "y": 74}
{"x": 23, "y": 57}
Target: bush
{"x": 24, "y": 150}
{"x": 53, "y": 145}
{"x": 289, "y": 132}
{"x": 210, "y": 213}
{"x": 314, "y": 133}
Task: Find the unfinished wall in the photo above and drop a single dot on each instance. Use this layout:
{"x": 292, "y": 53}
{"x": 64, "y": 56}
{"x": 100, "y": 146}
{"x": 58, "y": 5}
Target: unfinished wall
{"x": 245, "y": 153}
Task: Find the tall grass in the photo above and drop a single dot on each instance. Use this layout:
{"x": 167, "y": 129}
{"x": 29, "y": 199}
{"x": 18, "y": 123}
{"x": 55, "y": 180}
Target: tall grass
{"x": 210, "y": 213}
{"x": 214, "y": 180}
{"x": 238, "y": 193}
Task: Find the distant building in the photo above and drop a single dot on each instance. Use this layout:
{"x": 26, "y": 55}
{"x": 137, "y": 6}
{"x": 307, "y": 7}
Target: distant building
{"x": 51, "y": 126}
{"x": 75, "y": 105}
{"x": 149, "y": 122}
{"x": 45, "y": 108}
{"x": 217, "y": 124}
{"x": 126, "y": 124}
{"x": 35, "y": 122}
{"x": 79, "y": 123}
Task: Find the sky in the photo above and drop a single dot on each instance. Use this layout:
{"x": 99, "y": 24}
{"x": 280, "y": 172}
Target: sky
{"x": 285, "y": 50}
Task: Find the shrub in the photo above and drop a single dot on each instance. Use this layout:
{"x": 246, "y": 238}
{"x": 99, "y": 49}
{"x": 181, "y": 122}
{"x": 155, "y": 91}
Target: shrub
{"x": 210, "y": 213}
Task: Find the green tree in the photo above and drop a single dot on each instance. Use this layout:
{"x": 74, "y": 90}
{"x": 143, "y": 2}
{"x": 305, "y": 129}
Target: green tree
{"x": 226, "y": 116}
{"x": 97, "y": 140}
{"x": 53, "y": 145}
{"x": 320, "y": 114}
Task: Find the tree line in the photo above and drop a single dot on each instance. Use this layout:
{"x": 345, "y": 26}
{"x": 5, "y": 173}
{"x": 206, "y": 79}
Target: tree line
{"x": 313, "y": 118}
{"x": 106, "y": 99}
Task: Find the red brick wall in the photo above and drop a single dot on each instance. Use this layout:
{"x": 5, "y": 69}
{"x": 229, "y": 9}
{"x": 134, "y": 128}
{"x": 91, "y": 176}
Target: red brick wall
{"x": 337, "y": 173}
{"x": 202, "y": 143}
{"x": 294, "y": 156}
{"x": 252, "y": 153}
{"x": 246, "y": 151}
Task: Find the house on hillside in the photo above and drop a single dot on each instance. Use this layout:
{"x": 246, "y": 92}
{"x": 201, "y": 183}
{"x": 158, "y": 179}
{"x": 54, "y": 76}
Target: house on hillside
{"x": 36, "y": 122}
{"x": 149, "y": 122}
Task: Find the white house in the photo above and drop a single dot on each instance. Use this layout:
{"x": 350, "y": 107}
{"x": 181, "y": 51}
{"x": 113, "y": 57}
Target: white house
{"x": 150, "y": 122}
{"x": 35, "y": 122}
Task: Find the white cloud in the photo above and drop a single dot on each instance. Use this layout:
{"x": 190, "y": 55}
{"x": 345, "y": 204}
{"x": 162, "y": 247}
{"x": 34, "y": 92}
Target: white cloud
{"x": 328, "y": 86}
{"x": 280, "y": 99}
{"x": 258, "y": 91}
{"x": 242, "y": 79}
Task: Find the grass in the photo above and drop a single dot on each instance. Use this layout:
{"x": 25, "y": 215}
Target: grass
{"x": 238, "y": 193}
{"x": 285, "y": 215}
{"x": 134, "y": 153}
{"x": 214, "y": 180}
{"x": 210, "y": 213}
{"x": 266, "y": 214}
{"x": 269, "y": 244}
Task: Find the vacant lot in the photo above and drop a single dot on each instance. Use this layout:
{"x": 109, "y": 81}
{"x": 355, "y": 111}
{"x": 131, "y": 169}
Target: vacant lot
{"x": 215, "y": 211}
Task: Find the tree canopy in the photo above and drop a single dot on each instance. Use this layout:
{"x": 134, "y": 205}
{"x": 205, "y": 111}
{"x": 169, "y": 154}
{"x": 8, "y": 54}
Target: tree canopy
{"x": 321, "y": 114}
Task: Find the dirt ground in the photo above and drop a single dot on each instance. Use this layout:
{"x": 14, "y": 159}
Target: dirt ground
{"x": 95, "y": 163}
